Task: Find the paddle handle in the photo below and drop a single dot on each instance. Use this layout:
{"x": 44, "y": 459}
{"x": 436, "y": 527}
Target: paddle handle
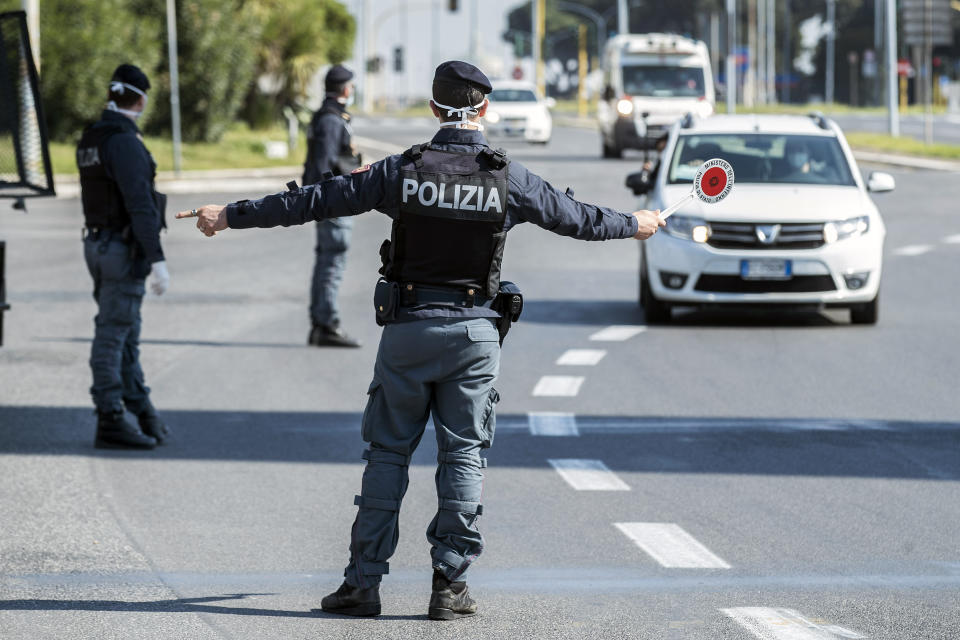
{"x": 672, "y": 209}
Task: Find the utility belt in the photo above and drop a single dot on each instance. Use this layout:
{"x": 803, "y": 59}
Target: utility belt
{"x": 106, "y": 234}
{"x": 389, "y": 297}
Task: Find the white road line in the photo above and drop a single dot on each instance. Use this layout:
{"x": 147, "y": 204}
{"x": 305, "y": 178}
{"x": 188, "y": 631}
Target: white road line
{"x": 785, "y": 624}
{"x": 954, "y": 239}
{"x": 581, "y": 357}
{"x": 588, "y": 475}
{"x": 618, "y": 333}
{"x": 670, "y": 545}
{"x": 558, "y": 386}
{"x": 913, "y": 250}
{"x": 552, "y": 423}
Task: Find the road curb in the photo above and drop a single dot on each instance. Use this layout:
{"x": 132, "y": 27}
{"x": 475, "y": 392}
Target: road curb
{"x": 863, "y": 155}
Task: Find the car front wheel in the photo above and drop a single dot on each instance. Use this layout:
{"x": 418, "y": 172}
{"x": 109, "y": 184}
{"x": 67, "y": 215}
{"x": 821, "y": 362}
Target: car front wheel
{"x": 654, "y": 311}
{"x": 865, "y": 313}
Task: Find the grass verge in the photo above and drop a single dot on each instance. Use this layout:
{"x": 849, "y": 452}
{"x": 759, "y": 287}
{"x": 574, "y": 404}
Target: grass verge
{"x": 902, "y": 146}
{"x": 240, "y": 148}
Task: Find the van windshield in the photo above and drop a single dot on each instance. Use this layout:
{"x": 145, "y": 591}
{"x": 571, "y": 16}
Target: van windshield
{"x": 660, "y": 81}
{"x": 755, "y": 157}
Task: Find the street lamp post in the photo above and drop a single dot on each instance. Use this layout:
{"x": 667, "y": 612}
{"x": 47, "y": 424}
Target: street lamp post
{"x": 831, "y": 39}
{"x": 731, "y": 56}
{"x": 174, "y": 82}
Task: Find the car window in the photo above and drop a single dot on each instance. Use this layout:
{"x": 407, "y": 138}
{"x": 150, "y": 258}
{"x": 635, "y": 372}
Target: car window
{"x": 512, "y": 95}
{"x": 783, "y": 159}
{"x": 663, "y": 81}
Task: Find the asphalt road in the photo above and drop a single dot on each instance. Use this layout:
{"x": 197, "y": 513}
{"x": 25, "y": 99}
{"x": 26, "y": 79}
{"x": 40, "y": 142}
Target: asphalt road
{"x": 806, "y": 471}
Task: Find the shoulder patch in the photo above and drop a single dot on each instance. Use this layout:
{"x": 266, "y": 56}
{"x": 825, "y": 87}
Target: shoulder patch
{"x": 345, "y": 116}
{"x": 362, "y": 169}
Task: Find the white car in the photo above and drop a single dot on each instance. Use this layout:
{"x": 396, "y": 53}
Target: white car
{"x": 515, "y": 111}
{"x": 798, "y": 228}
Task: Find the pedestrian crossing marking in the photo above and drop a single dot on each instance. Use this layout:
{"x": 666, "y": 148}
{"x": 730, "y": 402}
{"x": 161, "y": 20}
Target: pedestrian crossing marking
{"x": 581, "y": 357}
{"x": 588, "y": 475}
{"x": 785, "y": 624}
{"x": 671, "y": 546}
{"x": 552, "y": 423}
{"x": 558, "y": 386}
{"x": 618, "y": 333}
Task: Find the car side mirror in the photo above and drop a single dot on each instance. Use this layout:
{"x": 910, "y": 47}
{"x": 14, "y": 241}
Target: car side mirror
{"x": 879, "y": 182}
{"x": 639, "y": 182}
{"x": 608, "y": 93}
{"x": 551, "y": 103}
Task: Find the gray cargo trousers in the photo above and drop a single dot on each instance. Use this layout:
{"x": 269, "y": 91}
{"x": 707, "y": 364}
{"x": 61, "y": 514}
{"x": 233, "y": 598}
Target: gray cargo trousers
{"x": 440, "y": 366}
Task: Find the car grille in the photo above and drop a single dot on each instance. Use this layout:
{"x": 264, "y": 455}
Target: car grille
{"x": 716, "y": 283}
{"x": 743, "y": 235}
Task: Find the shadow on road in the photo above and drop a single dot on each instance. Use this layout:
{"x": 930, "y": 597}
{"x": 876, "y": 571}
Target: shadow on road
{"x": 191, "y": 343}
{"x": 738, "y": 445}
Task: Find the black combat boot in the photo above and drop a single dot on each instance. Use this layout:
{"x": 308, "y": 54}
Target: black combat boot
{"x": 450, "y": 600}
{"x": 326, "y": 335}
{"x": 153, "y": 426}
{"x": 353, "y": 601}
{"x": 114, "y": 432}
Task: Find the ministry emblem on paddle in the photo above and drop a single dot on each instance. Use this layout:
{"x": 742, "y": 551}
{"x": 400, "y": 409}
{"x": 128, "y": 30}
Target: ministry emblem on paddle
{"x": 713, "y": 183}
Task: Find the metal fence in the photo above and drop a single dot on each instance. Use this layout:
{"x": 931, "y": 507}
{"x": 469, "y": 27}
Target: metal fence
{"x": 24, "y": 157}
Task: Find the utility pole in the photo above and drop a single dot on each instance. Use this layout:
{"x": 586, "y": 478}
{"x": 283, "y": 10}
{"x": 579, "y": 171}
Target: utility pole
{"x": 32, "y": 9}
{"x": 174, "y": 82}
{"x": 787, "y": 51}
{"x": 582, "y": 70}
{"x": 877, "y": 83}
{"x": 539, "y": 24}
{"x": 831, "y": 38}
{"x": 623, "y": 17}
{"x": 731, "y": 56}
{"x": 893, "y": 115}
{"x": 761, "y": 56}
{"x": 771, "y": 51}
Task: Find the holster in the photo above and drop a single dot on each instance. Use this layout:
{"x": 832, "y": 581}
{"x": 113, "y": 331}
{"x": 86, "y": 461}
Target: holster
{"x": 509, "y": 304}
{"x": 386, "y": 301}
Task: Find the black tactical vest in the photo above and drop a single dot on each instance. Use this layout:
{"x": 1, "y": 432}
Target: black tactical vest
{"x": 449, "y": 232}
{"x": 102, "y": 201}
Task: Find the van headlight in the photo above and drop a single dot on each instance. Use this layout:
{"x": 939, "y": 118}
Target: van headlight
{"x": 492, "y": 117}
{"x": 625, "y": 107}
{"x": 688, "y": 228}
{"x": 843, "y": 229}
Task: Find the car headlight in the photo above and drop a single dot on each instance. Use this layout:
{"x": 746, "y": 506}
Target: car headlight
{"x": 625, "y": 107}
{"x": 688, "y": 228}
{"x": 849, "y": 228}
{"x": 704, "y": 109}
{"x": 492, "y": 117}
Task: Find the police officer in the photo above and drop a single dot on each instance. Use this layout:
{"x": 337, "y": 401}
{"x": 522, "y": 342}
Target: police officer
{"x": 330, "y": 152}
{"x": 452, "y": 201}
{"x": 123, "y": 215}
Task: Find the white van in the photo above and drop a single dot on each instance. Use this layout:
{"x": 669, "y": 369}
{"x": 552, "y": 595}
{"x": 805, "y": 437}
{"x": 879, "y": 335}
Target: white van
{"x": 650, "y": 81}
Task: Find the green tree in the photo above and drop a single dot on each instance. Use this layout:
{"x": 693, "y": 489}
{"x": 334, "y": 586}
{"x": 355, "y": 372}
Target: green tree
{"x": 82, "y": 42}
{"x": 216, "y": 56}
{"x": 298, "y": 37}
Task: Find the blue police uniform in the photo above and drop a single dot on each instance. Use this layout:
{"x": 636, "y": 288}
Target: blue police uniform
{"x": 119, "y": 251}
{"x": 329, "y": 152}
{"x": 438, "y": 357}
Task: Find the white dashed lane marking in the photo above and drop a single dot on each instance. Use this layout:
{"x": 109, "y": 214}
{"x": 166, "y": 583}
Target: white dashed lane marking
{"x": 785, "y": 624}
{"x": 954, "y": 239}
{"x": 551, "y": 423}
{"x": 670, "y": 545}
{"x": 588, "y": 475}
{"x": 913, "y": 250}
{"x": 617, "y": 333}
{"x": 558, "y": 386}
{"x": 581, "y": 357}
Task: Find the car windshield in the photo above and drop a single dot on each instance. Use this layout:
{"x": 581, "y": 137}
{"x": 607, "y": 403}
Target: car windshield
{"x": 663, "y": 81}
{"x": 512, "y": 95}
{"x": 755, "y": 157}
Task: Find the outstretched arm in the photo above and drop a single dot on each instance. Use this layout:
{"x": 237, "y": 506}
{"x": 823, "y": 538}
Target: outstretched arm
{"x": 371, "y": 187}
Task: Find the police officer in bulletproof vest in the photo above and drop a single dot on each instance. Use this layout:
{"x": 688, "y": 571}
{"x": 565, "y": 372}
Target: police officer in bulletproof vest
{"x": 330, "y": 152}
{"x": 123, "y": 215}
{"x": 444, "y": 309}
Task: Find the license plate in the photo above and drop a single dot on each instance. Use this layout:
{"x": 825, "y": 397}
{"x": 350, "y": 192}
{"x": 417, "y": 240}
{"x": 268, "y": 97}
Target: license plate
{"x": 766, "y": 269}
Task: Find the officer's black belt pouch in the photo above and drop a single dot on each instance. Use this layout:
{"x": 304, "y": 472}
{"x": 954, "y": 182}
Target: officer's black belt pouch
{"x": 509, "y": 304}
{"x": 386, "y": 301}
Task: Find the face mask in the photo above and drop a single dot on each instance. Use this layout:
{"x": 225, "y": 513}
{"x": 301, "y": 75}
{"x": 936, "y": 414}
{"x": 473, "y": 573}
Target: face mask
{"x": 120, "y": 87}
{"x": 348, "y": 101}
{"x": 797, "y": 159}
{"x": 465, "y": 114}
